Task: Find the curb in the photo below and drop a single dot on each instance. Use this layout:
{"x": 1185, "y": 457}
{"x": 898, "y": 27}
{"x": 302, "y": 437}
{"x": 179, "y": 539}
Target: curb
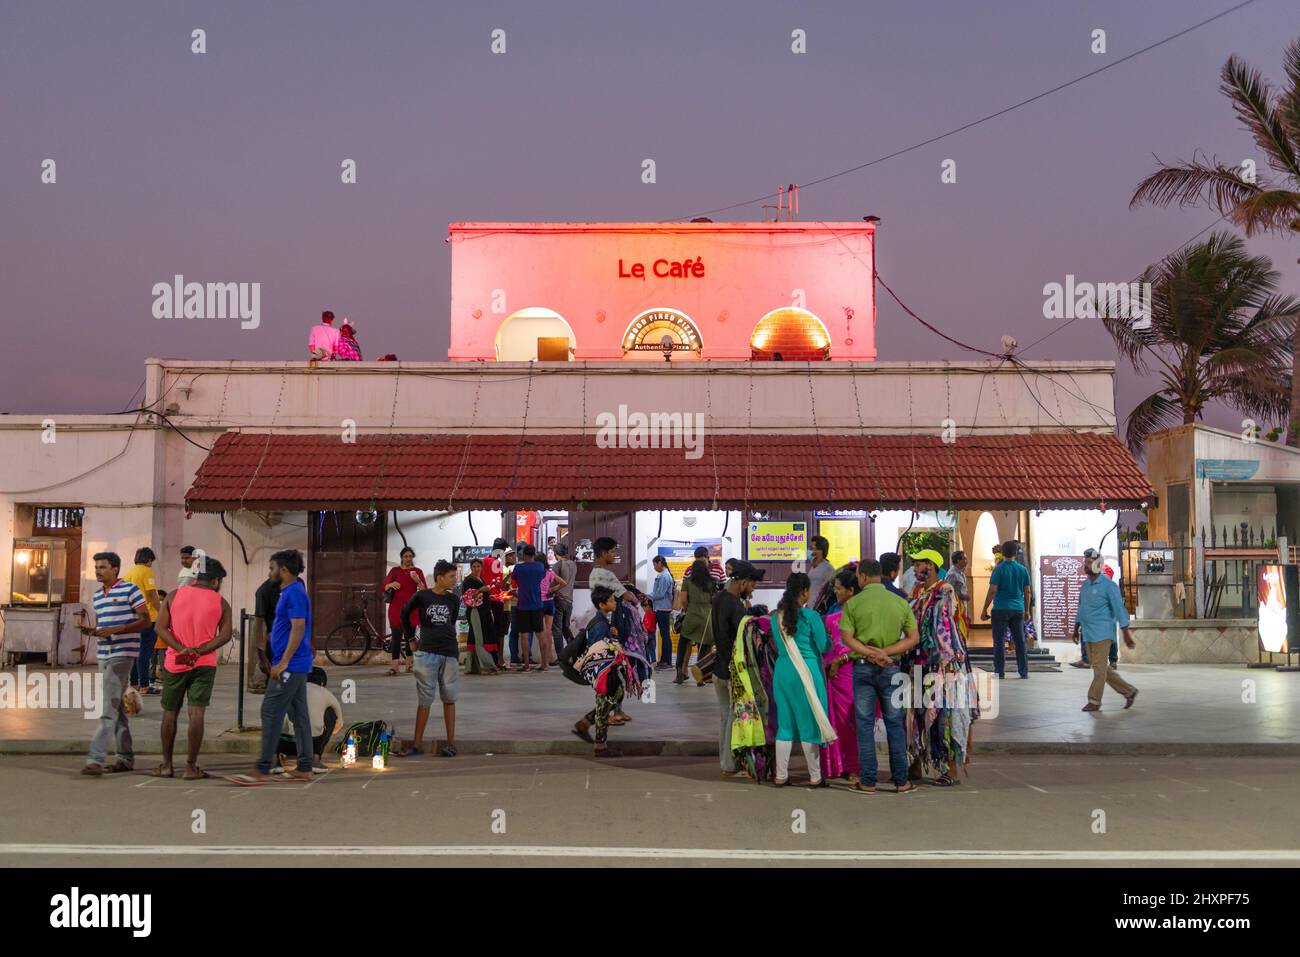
{"x": 250, "y": 742}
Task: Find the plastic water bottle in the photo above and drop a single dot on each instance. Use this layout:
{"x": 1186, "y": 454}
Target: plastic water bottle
{"x": 350, "y": 751}
{"x": 380, "y": 759}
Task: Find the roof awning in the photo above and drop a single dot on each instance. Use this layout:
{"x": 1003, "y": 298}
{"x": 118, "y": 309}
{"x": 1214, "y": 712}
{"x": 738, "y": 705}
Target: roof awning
{"x": 1057, "y": 470}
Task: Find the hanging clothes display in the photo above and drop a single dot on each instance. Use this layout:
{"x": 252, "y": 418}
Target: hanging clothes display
{"x": 940, "y": 712}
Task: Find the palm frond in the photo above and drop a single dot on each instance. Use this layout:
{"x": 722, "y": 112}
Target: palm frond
{"x": 1252, "y": 99}
{"x": 1155, "y": 412}
{"x": 1195, "y": 182}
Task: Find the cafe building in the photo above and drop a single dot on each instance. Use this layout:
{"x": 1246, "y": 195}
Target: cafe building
{"x": 667, "y": 384}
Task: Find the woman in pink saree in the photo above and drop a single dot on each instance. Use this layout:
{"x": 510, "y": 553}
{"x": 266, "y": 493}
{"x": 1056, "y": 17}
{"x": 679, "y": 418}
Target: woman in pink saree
{"x": 840, "y": 757}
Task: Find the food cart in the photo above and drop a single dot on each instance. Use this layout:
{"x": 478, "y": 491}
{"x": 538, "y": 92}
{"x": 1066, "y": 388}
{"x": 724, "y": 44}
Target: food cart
{"x": 33, "y": 618}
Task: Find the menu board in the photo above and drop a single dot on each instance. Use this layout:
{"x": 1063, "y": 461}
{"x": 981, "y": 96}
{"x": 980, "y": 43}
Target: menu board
{"x": 1058, "y": 600}
{"x": 776, "y": 541}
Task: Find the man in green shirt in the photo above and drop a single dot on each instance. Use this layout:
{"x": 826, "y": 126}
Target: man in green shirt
{"x": 871, "y": 623}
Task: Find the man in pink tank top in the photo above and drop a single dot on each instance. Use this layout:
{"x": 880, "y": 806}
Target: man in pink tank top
{"x": 193, "y": 623}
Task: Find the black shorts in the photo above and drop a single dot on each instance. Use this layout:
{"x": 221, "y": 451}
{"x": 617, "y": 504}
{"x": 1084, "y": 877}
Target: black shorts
{"x": 528, "y": 622}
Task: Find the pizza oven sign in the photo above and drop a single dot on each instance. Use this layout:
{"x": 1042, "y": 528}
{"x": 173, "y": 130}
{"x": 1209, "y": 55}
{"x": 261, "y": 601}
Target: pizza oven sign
{"x": 663, "y": 269}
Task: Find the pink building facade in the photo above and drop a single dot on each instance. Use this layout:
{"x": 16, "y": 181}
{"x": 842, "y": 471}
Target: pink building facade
{"x": 724, "y": 291}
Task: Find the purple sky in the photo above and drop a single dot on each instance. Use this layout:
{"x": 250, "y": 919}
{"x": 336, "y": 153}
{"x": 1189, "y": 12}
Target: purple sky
{"x": 225, "y": 166}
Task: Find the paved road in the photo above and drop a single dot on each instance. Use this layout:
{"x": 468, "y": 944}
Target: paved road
{"x": 655, "y": 810}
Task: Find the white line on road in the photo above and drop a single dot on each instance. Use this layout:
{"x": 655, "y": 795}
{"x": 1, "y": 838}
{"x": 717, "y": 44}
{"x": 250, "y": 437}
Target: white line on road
{"x": 662, "y": 853}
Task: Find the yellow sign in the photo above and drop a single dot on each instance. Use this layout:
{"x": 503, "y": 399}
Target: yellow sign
{"x": 845, "y": 537}
{"x": 777, "y": 541}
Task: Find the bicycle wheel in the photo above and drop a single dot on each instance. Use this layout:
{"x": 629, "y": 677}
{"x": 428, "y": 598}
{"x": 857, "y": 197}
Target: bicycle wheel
{"x": 346, "y": 645}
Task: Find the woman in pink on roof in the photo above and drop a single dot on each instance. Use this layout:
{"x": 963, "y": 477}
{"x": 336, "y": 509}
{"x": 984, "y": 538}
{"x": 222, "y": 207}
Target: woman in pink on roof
{"x": 347, "y": 349}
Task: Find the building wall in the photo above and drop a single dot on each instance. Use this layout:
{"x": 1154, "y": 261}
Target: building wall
{"x": 749, "y": 269}
{"x": 491, "y": 397}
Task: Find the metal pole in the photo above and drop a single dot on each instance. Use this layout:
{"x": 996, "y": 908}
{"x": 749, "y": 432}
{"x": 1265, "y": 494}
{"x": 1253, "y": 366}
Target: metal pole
{"x": 243, "y": 670}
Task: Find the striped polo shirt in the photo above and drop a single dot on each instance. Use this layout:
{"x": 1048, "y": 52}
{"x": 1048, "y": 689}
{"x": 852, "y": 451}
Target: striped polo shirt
{"x": 113, "y": 608}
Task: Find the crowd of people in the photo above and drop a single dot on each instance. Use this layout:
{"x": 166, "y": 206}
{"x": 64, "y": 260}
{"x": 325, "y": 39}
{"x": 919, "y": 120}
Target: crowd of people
{"x": 842, "y": 649}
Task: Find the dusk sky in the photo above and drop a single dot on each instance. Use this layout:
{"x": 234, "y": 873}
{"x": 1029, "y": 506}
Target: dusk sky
{"x": 225, "y": 166}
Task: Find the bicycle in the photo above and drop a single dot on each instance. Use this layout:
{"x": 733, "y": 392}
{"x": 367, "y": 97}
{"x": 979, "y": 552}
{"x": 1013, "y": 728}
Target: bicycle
{"x": 351, "y": 641}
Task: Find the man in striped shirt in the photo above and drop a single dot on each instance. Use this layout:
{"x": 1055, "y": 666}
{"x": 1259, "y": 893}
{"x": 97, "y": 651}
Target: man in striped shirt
{"x": 121, "y": 614}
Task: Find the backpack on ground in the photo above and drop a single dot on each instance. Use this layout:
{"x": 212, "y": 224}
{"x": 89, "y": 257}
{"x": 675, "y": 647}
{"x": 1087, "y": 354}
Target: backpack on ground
{"x": 366, "y": 734}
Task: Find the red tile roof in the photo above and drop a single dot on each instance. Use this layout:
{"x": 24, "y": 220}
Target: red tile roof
{"x": 405, "y": 471}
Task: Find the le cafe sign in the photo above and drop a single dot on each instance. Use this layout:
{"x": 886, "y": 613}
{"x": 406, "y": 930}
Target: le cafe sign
{"x": 663, "y": 269}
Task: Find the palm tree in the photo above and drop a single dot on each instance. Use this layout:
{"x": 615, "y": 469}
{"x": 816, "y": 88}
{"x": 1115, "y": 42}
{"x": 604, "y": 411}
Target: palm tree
{"x": 1218, "y": 332}
{"x": 1273, "y": 120}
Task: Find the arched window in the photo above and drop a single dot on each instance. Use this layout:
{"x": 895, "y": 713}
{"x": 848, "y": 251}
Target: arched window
{"x": 535, "y": 333}
{"x": 790, "y": 334}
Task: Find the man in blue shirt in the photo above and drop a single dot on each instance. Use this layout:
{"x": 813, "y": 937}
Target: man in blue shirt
{"x": 1009, "y": 594}
{"x": 291, "y": 662}
{"x": 661, "y": 600}
{"x": 890, "y": 562}
{"x": 527, "y": 577}
{"x": 1100, "y": 609}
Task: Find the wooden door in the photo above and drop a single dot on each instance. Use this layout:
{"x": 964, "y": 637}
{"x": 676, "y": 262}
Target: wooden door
{"x": 347, "y": 561}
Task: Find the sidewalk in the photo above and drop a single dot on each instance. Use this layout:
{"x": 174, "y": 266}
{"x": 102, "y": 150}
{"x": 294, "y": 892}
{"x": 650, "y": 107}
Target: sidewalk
{"x": 1182, "y": 709}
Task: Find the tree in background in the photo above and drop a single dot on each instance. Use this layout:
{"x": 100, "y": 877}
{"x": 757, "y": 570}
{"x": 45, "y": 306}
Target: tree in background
{"x": 1218, "y": 331}
{"x": 1273, "y": 120}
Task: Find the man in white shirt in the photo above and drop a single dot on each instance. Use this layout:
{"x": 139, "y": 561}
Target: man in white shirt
{"x": 326, "y": 718}
{"x": 189, "y": 567}
{"x": 323, "y": 342}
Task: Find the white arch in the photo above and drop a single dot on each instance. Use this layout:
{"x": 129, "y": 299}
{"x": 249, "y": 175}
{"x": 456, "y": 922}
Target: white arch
{"x": 516, "y": 338}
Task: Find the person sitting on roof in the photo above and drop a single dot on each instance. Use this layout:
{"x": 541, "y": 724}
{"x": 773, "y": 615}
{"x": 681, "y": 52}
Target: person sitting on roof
{"x": 348, "y": 349}
{"x": 324, "y": 340}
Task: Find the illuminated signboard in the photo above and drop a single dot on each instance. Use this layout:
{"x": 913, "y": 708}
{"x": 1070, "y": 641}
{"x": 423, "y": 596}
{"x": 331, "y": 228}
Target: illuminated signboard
{"x": 776, "y": 541}
{"x": 647, "y": 331}
{"x": 1279, "y": 605}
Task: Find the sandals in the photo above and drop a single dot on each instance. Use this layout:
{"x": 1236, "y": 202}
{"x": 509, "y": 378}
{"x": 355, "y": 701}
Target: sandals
{"x": 158, "y": 772}
{"x": 447, "y": 752}
{"x": 583, "y": 730}
{"x": 777, "y": 783}
{"x": 945, "y": 780}
{"x": 392, "y": 672}
{"x": 196, "y": 777}
{"x": 864, "y": 788}
{"x": 121, "y": 767}
{"x": 907, "y": 788}
{"x": 409, "y": 753}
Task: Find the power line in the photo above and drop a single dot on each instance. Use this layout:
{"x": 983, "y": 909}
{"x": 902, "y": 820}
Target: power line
{"x": 989, "y": 116}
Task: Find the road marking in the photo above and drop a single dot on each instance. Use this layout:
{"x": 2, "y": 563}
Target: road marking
{"x": 663, "y": 853}
{"x": 1247, "y": 786}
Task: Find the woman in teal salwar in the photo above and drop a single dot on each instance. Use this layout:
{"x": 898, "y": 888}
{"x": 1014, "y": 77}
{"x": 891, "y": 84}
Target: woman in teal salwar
{"x": 798, "y": 684}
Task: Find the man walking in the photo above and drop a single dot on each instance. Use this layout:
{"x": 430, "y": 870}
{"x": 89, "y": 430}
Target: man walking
{"x": 1100, "y": 609}
{"x": 1009, "y": 594}
{"x": 121, "y": 614}
{"x": 662, "y": 593}
{"x": 193, "y": 624}
{"x": 286, "y": 687}
{"x": 730, "y": 606}
{"x": 437, "y": 662}
{"x": 870, "y": 625}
